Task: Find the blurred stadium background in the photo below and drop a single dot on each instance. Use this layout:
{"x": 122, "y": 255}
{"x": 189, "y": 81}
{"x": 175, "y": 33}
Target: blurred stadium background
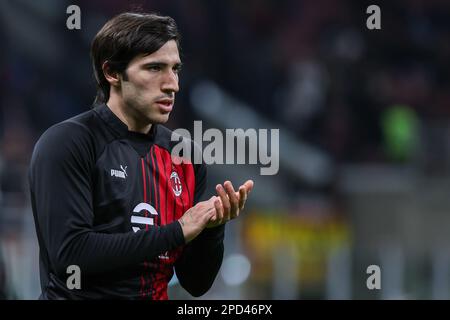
{"x": 364, "y": 119}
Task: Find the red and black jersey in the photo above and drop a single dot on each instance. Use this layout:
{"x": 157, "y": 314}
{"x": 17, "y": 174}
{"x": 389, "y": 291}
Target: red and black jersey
{"x": 107, "y": 200}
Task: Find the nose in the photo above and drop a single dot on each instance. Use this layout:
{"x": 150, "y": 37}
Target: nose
{"x": 170, "y": 82}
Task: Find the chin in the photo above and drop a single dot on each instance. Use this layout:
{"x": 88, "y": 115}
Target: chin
{"x": 160, "y": 119}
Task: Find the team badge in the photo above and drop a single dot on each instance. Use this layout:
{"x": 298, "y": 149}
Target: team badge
{"x": 176, "y": 184}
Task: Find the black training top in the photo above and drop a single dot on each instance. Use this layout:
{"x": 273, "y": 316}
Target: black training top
{"x": 107, "y": 200}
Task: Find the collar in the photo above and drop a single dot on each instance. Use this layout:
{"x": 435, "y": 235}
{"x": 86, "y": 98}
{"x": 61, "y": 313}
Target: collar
{"x": 120, "y": 129}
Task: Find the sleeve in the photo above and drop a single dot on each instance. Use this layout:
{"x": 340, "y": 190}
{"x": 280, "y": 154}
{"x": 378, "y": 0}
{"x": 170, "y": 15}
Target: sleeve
{"x": 60, "y": 177}
{"x": 201, "y": 259}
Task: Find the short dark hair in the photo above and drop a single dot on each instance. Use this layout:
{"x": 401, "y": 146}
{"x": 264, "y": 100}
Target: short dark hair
{"x": 124, "y": 37}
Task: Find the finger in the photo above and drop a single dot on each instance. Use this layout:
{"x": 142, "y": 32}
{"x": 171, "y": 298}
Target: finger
{"x": 211, "y": 214}
{"x": 249, "y": 185}
{"x": 219, "y": 210}
{"x": 234, "y": 201}
{"x": 213, "y": 218}
{"x": 242, "y": 197}
{"x": 225, "y": 202}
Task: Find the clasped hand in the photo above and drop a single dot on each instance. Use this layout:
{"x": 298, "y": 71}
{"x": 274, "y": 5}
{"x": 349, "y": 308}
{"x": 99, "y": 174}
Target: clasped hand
{"x": 227, "y": 205}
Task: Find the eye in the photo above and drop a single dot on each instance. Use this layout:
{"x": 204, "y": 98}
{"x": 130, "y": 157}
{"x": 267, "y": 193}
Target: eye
{"x": 154, "y": 67}
{"x": 177, "y": 68}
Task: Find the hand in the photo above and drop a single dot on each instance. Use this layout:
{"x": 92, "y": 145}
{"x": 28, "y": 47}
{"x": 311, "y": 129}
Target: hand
{"x": 195, "y": 219}
{"x": 229, "y": 203}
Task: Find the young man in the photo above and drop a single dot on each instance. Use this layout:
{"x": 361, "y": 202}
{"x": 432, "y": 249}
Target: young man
{"x": 108, "y": 197}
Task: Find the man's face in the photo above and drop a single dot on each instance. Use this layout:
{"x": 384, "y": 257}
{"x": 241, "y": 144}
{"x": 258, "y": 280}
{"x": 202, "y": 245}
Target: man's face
{"x": 151, "y": 82}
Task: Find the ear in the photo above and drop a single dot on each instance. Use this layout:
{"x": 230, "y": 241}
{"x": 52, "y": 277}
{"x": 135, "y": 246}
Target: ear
{"x": 111, "y": 76}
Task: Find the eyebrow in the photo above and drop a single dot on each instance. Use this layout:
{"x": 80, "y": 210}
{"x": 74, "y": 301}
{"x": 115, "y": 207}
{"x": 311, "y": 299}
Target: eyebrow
{"x": 161, "y": 64}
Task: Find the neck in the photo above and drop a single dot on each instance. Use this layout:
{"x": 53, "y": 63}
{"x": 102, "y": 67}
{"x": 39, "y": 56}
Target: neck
{"x": 119, "y": 109}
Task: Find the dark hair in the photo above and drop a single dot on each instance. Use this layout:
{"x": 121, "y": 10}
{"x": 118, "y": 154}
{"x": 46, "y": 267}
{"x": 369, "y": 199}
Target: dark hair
{"x": 124, "y": 37}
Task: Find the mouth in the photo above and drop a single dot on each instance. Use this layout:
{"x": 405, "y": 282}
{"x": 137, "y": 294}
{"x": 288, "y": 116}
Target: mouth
{"x": 165, "y": 105}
